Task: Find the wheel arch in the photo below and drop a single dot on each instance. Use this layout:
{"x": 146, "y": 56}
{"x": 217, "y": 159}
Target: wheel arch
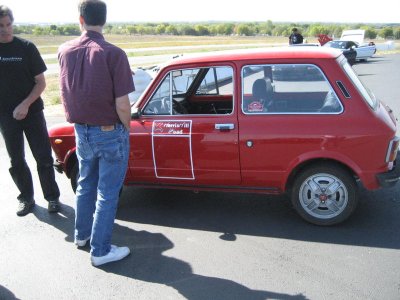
{"x": 312, "y": 162}
{"x": 71, "y": 161}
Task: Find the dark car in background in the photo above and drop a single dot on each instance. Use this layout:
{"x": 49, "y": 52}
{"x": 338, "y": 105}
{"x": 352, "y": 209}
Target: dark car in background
{"x": 347, "y": 47}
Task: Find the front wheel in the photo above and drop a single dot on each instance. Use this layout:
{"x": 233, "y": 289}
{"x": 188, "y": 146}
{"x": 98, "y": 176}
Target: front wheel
{"x": 325, "y": 194}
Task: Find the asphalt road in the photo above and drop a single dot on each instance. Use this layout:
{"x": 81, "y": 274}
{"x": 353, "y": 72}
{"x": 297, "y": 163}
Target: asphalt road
{"x": 208, "y": 245}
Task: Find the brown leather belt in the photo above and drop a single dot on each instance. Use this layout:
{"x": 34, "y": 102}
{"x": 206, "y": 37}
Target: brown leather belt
{"x": 102, "y": 127}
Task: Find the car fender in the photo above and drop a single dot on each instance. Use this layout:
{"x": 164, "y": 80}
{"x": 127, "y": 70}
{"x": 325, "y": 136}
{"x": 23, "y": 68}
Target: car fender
{"x": 69, "y": 159}
{"x": 309, "y": 158}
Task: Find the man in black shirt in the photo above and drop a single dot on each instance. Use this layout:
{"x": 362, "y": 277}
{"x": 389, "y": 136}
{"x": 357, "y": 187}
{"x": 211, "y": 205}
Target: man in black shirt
{"x": 21, "y": 112}
{"x": 295, "y": 37}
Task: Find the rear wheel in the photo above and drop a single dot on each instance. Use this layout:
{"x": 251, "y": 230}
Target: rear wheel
{"x": 324, "y": 194}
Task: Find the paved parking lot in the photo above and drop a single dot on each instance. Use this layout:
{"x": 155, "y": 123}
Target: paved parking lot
{"x": 208, "y": 245}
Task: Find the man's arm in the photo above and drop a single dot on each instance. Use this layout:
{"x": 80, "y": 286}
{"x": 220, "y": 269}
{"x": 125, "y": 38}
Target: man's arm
{"x": 123, "y": 108}
{"x": 22, "y": 109}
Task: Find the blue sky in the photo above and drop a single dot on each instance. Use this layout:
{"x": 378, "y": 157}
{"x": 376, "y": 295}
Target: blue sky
{"x": 341, "y": 11}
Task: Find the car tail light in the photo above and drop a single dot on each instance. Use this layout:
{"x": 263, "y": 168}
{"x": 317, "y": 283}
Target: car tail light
{"x": 392, "y": 150}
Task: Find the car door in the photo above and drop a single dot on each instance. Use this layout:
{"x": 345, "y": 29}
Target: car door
{"x": 363, "y": 52}
{"x": 187, "y": 133}
{"x": 292, "y": 116}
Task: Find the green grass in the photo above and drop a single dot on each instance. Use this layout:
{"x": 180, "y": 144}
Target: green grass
{"x": 51, "y": 94}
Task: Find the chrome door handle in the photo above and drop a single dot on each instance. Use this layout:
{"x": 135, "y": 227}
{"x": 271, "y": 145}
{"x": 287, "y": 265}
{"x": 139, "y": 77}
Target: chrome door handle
{"x": 224, "y": 126}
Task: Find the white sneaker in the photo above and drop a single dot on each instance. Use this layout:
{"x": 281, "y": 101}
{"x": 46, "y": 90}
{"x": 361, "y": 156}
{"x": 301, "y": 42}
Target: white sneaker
{"x": 116, "y": 253}
{"x": 81, "y": 243}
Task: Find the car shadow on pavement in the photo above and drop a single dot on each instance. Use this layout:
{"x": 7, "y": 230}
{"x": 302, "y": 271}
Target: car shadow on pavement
{"x": 374, "y": 223}
{"x": 147, "y": 263}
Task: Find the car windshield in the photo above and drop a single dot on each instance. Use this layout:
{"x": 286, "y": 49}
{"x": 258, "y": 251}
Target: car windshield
{"x": 367, "y": 95}
{"x": 337, "y": 45}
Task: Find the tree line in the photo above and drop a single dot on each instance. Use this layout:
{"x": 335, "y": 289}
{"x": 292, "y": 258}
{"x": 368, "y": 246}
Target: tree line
{"x": 268, "y": 28}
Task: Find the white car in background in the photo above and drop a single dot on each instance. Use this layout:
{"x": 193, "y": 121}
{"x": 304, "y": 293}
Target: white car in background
{"x": 142, "y": 79}
{"x": 364, "y": 50}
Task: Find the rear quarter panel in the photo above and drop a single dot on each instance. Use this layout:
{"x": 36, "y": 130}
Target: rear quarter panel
{"x": 357, "y": 138}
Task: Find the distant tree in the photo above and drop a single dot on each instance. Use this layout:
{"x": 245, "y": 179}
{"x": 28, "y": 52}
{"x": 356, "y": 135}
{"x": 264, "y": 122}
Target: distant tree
{"x": 244, "y": 29}
{"x": 337, "y": 31}
{"x": 141, "y": 29}
{"x": 187, "y": 30}
{"x": 54, "y": 32}
{"x": 225, "y": 28}
{"x": 171, "y": 29}
{"x": 130, "y": 29}
{"x": 17, "y": 30}
{"x": 281, "y": 30}
{"x": 201, "y": 30}
{"x": 316, "y": 29}
{"x": 69, "y": 30}
{"x": 270, "y": 26}
{"x": 160, "y": 29}
{"x": 396, "y": 33}
{"x": 370, "y": 33}
{"x": 386, "y": 32}
{"x": 38, "y": 30}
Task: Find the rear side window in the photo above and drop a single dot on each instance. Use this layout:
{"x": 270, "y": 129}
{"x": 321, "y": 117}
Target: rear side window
{"x": 368, "y": 96}
{"x": 287, "y": 89}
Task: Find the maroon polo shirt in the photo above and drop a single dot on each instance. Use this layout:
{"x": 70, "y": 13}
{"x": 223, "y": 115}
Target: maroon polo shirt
{"x": 93, "y": 73}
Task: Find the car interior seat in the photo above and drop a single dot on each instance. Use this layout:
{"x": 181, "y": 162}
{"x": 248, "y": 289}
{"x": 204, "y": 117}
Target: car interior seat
{"x": 259, "y": 90}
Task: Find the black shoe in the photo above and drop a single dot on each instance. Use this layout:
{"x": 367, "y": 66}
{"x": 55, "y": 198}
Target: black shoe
{"x": 54, "y": 206}
{"x": 25, "y": 207}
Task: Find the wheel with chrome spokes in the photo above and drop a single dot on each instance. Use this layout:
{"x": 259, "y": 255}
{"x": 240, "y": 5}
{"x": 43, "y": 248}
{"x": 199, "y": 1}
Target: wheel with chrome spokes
{"x": 324, "y": 194}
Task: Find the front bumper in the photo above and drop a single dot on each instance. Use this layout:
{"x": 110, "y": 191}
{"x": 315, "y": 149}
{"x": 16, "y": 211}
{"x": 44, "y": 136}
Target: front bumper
{"x": 390, "y": 178}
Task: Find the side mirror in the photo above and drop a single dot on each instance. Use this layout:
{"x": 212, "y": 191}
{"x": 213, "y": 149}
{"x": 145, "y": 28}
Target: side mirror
{"x": 135, "y": 114}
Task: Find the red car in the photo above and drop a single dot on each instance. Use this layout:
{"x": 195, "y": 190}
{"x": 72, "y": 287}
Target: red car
{"x": 293, "y": 120}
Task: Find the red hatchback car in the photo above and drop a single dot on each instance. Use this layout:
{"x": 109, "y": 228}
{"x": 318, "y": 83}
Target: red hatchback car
{"x": 295, "y": 120}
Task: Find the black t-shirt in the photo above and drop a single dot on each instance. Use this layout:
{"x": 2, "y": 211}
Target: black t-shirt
{"x": 296, "y": 38}
{"x": 20, "y": 62}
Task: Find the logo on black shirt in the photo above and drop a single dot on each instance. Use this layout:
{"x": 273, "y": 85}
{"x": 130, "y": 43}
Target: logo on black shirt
{"x": 10, "y": 59}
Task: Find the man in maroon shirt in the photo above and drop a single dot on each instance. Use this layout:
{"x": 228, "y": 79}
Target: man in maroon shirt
{"x": 95, "y": 79}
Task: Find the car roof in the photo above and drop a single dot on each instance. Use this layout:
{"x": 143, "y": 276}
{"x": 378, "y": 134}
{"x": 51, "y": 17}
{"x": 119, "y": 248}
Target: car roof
{"x": 256, "y": 54}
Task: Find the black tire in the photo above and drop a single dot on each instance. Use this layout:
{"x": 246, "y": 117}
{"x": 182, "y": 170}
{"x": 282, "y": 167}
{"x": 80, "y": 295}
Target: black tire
{"x": 74, "y": 176}
{"x": 316, "y": 203}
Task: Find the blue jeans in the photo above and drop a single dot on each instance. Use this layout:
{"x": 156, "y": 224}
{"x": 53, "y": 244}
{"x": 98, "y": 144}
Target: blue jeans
{"x": 35, "y": 130}
{"x": 103, "y": 161}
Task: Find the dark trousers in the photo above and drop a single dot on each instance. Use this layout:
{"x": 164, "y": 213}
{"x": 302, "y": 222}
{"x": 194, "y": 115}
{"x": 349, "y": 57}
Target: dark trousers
{"x": 35, "y": 130}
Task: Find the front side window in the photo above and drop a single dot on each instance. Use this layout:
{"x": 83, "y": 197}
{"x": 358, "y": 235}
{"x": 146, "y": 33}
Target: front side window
{"x": 287, "y": 89}
{"x": 206, "y": 90}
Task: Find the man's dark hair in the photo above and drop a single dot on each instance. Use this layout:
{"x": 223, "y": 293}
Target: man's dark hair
{"x": 94, "y": 12}
{"x": 5, "y": 11}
